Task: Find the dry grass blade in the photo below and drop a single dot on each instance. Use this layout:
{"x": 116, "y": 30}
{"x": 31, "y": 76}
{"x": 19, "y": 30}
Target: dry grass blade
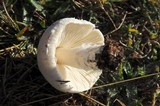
{"x": 29, "y": 103}
{"x": 108, "y": 16}
{"x": 120, "y": 102}
{"x": 128, "y": 80}
{"x": 92, "y": 100}
{"x": 13, "y": 22}
{"x": 117, "y": 28}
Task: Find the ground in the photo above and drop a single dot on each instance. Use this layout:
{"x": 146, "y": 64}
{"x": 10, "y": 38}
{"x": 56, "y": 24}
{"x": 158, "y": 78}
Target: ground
{"x": 130, "y": 59}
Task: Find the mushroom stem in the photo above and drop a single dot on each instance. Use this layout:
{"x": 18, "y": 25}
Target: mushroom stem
{"x": 84, "y": 56}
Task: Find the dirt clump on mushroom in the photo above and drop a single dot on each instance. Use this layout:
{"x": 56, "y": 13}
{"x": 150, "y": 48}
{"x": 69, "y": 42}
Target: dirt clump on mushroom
{"x": 111, "y": 56}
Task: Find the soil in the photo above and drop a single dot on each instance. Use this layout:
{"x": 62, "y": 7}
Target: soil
{"x": 111, "y": 56}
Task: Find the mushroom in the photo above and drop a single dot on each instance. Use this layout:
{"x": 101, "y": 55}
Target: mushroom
{"x": 67, "y": 55}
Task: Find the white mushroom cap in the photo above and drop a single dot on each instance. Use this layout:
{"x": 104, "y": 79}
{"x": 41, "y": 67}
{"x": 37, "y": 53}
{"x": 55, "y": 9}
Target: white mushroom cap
{"x": 66, "y": 55}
